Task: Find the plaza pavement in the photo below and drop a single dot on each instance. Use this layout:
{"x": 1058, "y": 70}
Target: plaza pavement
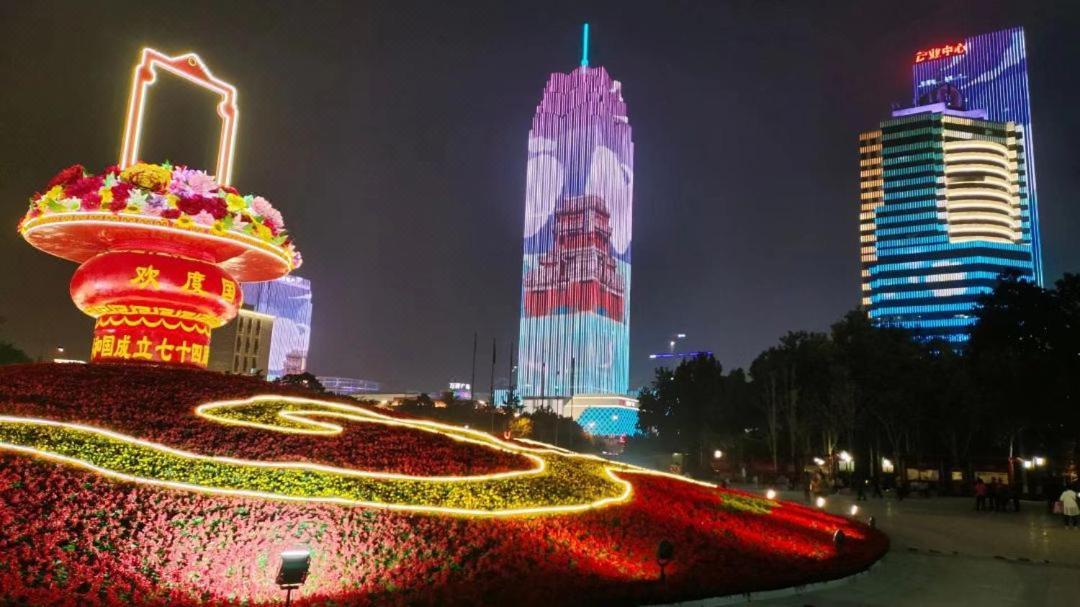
{"x": 944, "y": 553}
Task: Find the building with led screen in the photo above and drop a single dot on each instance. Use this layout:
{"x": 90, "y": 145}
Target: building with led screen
{"x": 575, "y": 303}
{"x": 944, "y": 213}
{"x": 989, "y": 72}
{"x": 288, "y": 300}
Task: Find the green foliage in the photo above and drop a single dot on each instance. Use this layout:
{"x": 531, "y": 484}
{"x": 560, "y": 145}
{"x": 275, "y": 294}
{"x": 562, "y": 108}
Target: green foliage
{"x": 10, "y": 355}
{"x": 745, "y": 503}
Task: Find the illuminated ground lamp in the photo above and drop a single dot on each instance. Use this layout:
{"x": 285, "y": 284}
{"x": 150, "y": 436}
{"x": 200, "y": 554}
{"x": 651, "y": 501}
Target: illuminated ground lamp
{"x": 162, "y": 249}
{"x": 838, "y": 539}
{"x": 820, "y": 502}
{"x": 665, "y": 553}
{"x": 854, "y": 510}
{"x": 770, "y": 494}
{"x": 293, "y": 572}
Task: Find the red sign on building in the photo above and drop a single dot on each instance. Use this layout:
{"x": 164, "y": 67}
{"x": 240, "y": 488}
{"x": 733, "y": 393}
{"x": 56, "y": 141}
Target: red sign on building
{"x": 940, "y": 52}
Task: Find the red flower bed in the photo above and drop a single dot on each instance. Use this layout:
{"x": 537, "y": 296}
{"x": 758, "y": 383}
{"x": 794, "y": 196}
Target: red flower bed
{"x": 73, "y": 537}
{"x": 156, "y": 403}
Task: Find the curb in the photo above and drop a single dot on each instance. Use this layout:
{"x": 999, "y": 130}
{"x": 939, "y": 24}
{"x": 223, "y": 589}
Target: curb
{"x": 763, "y": 595}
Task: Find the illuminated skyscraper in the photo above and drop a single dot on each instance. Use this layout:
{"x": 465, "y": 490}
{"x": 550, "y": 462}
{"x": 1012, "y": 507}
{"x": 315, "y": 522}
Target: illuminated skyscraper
{"x": 944, "y": 213}
{"x": 575, "y": 302}
{"x": 288, "y": 300}
{"x": 989, "y": 72}
{"x": 948, "y": 189}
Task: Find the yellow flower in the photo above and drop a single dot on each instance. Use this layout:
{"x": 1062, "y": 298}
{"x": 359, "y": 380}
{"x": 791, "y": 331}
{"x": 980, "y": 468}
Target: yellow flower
{"x": 56, "y": 193}
{"x": 184, "y": 222}
{"x": 235, "y": 203}
{"x": 172, "y": 199}
{"x": 262, "y": 231}
{"x": 106, "y": 196}
{"x": 218, "y": 228}
{"x": 149, "y": 176}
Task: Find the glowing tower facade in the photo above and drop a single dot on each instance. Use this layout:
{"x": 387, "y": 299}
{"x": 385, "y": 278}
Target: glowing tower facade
{"x": 288, "y": 300}
{"x": 948, "y": 202}
{"x": 989, "y": 72}
{"x": 575, "y": 305}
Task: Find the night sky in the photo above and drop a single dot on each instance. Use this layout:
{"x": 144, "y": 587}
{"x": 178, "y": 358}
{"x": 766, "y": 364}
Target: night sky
{"x": 392, "y": 135}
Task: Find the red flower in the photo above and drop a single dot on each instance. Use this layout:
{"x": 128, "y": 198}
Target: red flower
{"x": 120, "y": 193}
{"x": 216, "y": 207}
{"x": 112, "y": 169}
{"x": 67, "y": 176}
{"x": 91, "y": 201}
{"x": 171, "y": 213}
{"x": 191, "y": 205}
{"x": 230, "y": 190}
{"x": 84, "y": 186}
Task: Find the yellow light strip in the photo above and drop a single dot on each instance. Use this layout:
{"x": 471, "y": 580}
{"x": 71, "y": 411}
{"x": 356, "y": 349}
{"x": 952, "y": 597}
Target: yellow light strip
{"x": 214, "y": 411}
{"x": 190, "y": 67}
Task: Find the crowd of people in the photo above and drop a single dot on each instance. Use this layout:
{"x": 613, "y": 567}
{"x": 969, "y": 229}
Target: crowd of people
{"x": 995, "y": 496}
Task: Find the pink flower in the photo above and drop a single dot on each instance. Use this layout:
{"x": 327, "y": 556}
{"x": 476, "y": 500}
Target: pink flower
{"x": 191, "y": 183}
{"x": 204, "y": 218}
{"x": 271, "y": 216}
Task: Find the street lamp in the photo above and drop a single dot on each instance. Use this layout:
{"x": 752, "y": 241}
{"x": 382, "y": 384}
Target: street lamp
{"x": 293, "y": 572}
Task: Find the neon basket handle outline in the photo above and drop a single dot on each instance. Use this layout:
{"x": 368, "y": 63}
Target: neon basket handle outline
{"x": 190, "y": 67}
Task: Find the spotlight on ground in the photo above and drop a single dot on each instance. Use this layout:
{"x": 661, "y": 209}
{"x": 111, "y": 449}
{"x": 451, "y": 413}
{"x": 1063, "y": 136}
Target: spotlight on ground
{"x": 665, "y": 552}
{"x": 854, "y": 509}
{"x": 820, "y": 502}
{"x": 293, "y": 572}
{"x": 771, "y": 494}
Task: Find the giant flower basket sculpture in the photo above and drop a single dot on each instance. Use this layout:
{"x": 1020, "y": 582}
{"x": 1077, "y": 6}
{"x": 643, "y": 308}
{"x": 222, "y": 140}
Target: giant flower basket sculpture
{"x": 162, "y": 248}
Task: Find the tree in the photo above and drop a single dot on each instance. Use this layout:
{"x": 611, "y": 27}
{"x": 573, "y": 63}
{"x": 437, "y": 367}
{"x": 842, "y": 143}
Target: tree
{"x": 10, "y": 355}
{"x": 685, "y": 409}
{"x": 301, "y": 380}
{"x": 513, "y": 403}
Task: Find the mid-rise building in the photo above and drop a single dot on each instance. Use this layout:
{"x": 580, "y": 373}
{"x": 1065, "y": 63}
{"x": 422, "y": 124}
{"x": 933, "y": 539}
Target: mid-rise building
{"x": 243, "y": 345}
{"x": 288, "y": 300}
{"x": 944, "y": 213}
{"x": 575, "y": 297}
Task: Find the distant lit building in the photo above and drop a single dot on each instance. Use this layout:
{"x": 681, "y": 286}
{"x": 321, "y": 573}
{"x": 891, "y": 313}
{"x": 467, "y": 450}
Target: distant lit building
{"x": 348, "y": 386}
{"x": 575, "y": 297}
{"x": 243, "y": 345}
{"x": 604, "y": 414}
{"x": 288, "y": 299}
{"x": 944, "y": 213}
{"x": 987, "y": 72}
{"x": 948, "y": 201}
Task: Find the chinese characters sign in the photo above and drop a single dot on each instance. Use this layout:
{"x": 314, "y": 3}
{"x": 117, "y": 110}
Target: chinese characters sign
{"x": 154, "y": 307}
{"x": 941, "y": 52}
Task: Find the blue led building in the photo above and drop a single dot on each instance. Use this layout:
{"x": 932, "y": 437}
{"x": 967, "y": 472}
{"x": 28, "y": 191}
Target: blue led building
{"x": 944, "y": 215}
{"x": 288, "y": 300}
{"x": 989, "y": 74}
{"x": 947, "y": 189}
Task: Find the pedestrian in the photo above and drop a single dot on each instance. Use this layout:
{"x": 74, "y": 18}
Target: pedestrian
{"x": 992, "y": 494}
{"x": 1016, "y": 498}
{"x": 1069, "y": 507}
{"x": 980, "y": 495}
{"x": 877, "y": 487}
{"x": 861, "y": 483}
